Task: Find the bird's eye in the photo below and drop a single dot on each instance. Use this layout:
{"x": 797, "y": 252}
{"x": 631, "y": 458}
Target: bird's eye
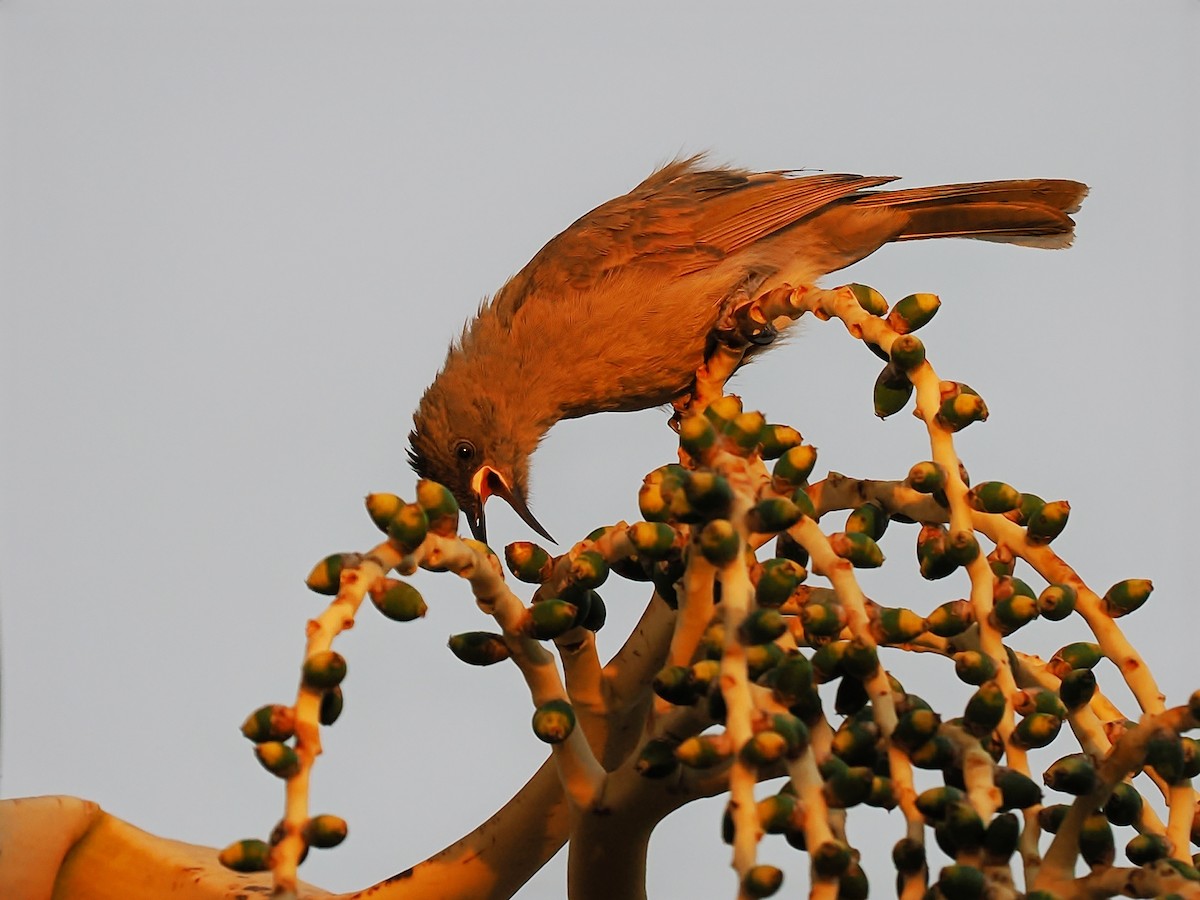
{"x": 464, "y": 451}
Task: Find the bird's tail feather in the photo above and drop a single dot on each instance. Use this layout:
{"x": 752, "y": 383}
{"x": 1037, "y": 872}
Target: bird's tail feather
{"x": 1033, "y": 213}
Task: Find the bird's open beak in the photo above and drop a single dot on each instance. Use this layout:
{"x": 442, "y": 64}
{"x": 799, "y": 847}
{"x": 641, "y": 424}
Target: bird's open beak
{"x": 486, "y": 482}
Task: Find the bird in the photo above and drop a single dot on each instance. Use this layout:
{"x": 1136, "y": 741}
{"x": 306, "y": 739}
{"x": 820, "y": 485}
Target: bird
{"x": 618, "y": 311}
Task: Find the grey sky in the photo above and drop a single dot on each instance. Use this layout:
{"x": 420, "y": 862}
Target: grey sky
{"x": 237, "y": 238}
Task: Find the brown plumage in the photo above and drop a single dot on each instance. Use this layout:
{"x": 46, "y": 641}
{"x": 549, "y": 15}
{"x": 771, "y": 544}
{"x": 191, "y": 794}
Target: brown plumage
{"x": 618, "y": 311}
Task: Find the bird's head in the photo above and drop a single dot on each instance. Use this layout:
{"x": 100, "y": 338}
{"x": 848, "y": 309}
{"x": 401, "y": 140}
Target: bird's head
{"x": 476, "y": 448}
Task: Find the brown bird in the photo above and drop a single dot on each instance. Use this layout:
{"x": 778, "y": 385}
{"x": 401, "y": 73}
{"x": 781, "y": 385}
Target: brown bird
{"x": 619, "y": 310}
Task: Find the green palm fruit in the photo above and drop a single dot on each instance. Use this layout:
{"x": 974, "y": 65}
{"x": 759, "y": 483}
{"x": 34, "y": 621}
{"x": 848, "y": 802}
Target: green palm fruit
{"x": 792, "y": 678}
{"x": 652, "y": 540}
{"x": 858, "y": 549}
{"x": 743, "y": 432}
{"x": 1077, "y": 688}
{"x": 1030, "y": 504}
{"x": 961, "y": 883}
{"x": 959, "y": 411}
{"x": 593, "y": 612}
{"x": 674, "y": 684}
{"x": 554, "y": 721}
{"x": 804, "y": 502}
{"x": 847, "y": 786}
{"x": 712, "y": 641}
{"x": 440, "y": 507}
{"x": 965, "y": 825}
{"x": 1165, "y": 753}
{"x": 719, "y": 542}
{"x": 479, "y": 648}
{"x": 908, "y": 352}
{"x": 382, "y": 508}
{"x": 933, "y": 559}
{"x": 936, "y": 753}
{"x": 869, "y": 519}
{"x": 1001, "y": 838}
{"x": 1048, "y": 522}
{"x": 822, "y": 618}
{"x": 528, "y": 562}
{"x": 764, "y": 748}
{"x": 409, "y": 526}
{"x": 994, "y": 497}
{"x": 913, "y": 312}
{"x": 951, "y": 618}
{"x": 775, "y": 812}
{"x": 550, "y": 618}
{"x": 1073, "y": 774}
{"x": 853, "y": 884}
{"x": 1050, "y": 818}
{"x": 926, "y": 478}
{"x": 934, "y": 802}
{"x": 1147, "y": 848}
{"x": 856, "y": 742}
{"x": 908, "y": 856}
{"x": 1126, "y": 596}
{"x": 1036, "y": 730}
{"x": 277, "y": 758}
{"x": 1078, "y": 655}
{"x": 1096, "y": 844}
{"x": 772, "y": 515}
{"x": 589, "y": 569}
{"x": 1057, "y": 602}
{"x": 860, "y": 658}
{"x": 246, "y": 856}
{"x": 793, "y": 468}
{"x": 703, "y": 674}
{"x": 1191, "y": 757}
{"x": 324, "y": 669}
{"x": 325, "y": 831}
{"x": 787, "y": 547}
{"x": 777, "y": 578}
{"x": 708, "y": 496}
{"x": 698, "y": 436}
{"x": 973, "y": 667}
{"x": 398, "y": 600}
{"x": 985, "y": 709}
{"x": 915, "y": 728}
{"x": 723, "y": 410}
{"x": 330, "y": 710}
{"x": 1124, "y": 804}
{"x": 896, "y": 625}
{"x": 703, "y": 751}
{"x": 325, "y": 577}
{"x": 776, "y": 440}
{"x": 1001, "y": 561}
{"x": 869, "y": 299}
{"x": 883, "y": 794}
{"x": 656, "y": 759}
{"x": 807, "y": 707}
{"x": 273, "y": 722}
{"x": 761, "y": 626}
{"x": 851, "y": 696}
{"x": 761, "y": 658}
{"x": 962, "y": 547}
{"x": 1017, "y": 790}
{"x": 761, "y": 881}
{"x": 892, "y": 391}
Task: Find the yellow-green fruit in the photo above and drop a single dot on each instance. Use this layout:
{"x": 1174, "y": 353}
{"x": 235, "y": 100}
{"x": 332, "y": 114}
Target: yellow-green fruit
{"x": 916, "y": 728}
{"x": 1077, "y": 655}
{"x": 707, "y": 495}
{"x": 959, "y": 882}
{"x": 926, "y": 477}
{"x": 479, "y": 648}
{"x": 332, "y": 702}
{"x": 1096, "y": 844}
{"x": 823, "y": 618}
{"x": 777, "y": 579}
{"x": 857, "y": 549}
{"x": 656, "y": 759}
{"x": 951, "y": 618}
{"x": 1030, "y": 504}
{"x": 1124, "y": 805}
{"x": 743, "y": 432}
{"x": 933, "y": 560}
{"x": 775, "y": 812}
{"x": 764, "y": 748}
{"x": 913, "y": 312}
{"x": 1048, "y": 522}
{"x": 908, "y": 856}
{"x": 528, "y": 562}
{"x": 984, "y": 709}
{"x": 994, "y": 497}
{"x": 869, "y": 519}
{"x": 554, "y": 721}
{"x": 762, "y": 881}
{"x": 273, "y": 722}
{"x": 1147, "y": 848}
{"x": 896, "y": 625}
{"x": 398, "y": 600}
{"x": 719, "y": 542}
{"x": 246, "y": 856}
{"x": 959, "y": 411}
{"x": 775, "y": 440}
{"x": 869, "y": 299}
{"x": 408, "y": 528}
{"x": 1126, "y": 596}
{"x": 325, "y": 831}
{"x": 1073, "y": 774}
{"x": 674, "y": 684}
{"x": 439, "y": 506}
{"x": 550, "y": 618}
{"x": 325, "y": 577}
{"x": 1057, "y": 602}
{"x": 793, "y": 467}
{"x": 1017, "y": 790}
{"x": 704, "y": 751}
{"x": 323, "y": 670}
{"x": 761, "y": 658}
{"x": 1077, "y": 688}
{"x": 772, "y": 515}
{"x": 1036, "y": 730}
{"x": 892, "y": 392}
{"x": 278, "y": 758}
{"x": 831, "y": 859}
{"x": 697, "y": 436}
{"x": 907, "y": 352}
{"x": 974, "y": 667}
{"x": 589, "y": 569}
{"x": 653, "y": 540}
{"x": 382, "y": 508}
{"x": 761, "y": 625}
{"x": 723, "y": 410}
{"x": 703, "y": 673}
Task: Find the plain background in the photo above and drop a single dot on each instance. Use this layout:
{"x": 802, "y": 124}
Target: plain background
{"x": 238, "y": 237}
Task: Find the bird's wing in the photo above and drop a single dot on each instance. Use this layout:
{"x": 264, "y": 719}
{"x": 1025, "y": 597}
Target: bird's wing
{"x": 683, "y": 218}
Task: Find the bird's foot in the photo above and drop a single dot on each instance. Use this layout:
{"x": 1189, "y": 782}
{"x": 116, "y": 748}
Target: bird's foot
{"x": 743, "y": 323}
